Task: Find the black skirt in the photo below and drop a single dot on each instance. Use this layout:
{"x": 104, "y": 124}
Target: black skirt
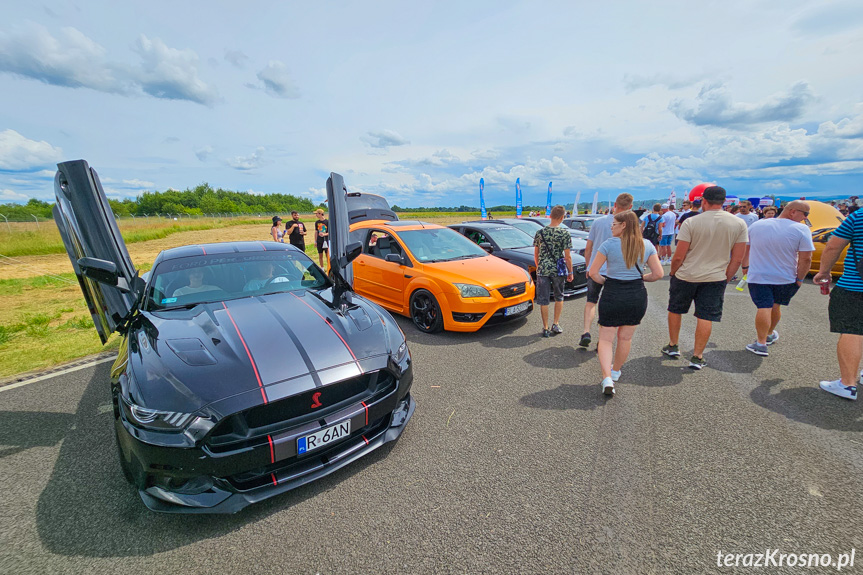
{"x": 623, "y": 302}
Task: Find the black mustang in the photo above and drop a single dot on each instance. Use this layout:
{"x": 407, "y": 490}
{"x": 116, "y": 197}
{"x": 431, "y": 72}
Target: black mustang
{"x": 244, "y": 371}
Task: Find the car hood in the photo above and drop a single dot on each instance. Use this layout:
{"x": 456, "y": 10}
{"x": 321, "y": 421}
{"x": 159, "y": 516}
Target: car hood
{"x": 251, "y": 349}
{"x": 490, "y": 271}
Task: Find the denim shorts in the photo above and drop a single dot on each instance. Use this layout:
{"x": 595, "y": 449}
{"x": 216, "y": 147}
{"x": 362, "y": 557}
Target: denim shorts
{"x": 593, "y": 291}
{"x": 768, "y": 295}
{"x": 666, "y": 240}
{"x": 544, "y": 287}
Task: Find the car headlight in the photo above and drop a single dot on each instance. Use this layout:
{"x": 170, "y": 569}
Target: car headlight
{"x": 155, "y": 419}
{"x": 470, "y": 290}
{"x": 402, "y": 352}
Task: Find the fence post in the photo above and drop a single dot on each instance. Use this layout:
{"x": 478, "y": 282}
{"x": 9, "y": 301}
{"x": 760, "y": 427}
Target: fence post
{"x": 37, "y": 221}
{"x": 7, "y": 223}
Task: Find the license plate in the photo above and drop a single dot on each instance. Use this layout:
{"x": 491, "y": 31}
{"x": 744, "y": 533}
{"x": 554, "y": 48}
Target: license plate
{"x": 518, "y": 308}
{"x": 323, "y": 437}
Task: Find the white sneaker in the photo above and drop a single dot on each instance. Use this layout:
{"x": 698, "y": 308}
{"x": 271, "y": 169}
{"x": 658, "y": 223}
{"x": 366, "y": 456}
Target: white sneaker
{"x": 615, "y": 375}
{"x": 608, "y": 386}
{"x": 771, "y": 339}
{"x": 836, "y": 388}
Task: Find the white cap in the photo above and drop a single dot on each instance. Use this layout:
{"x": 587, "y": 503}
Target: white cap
{"x": 664, "y": 206}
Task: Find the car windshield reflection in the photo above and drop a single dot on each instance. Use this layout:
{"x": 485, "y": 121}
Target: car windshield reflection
{"x": 186, "y": 282}
{"x": 507, "y": 237}
{"x": 440, "y": 245}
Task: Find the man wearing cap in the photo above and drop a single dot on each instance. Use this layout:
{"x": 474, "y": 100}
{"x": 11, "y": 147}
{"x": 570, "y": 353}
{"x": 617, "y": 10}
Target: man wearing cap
{"x": 669, "y": 221}
{"x": 710, "y": 248}
{"x": 322, "y": 235}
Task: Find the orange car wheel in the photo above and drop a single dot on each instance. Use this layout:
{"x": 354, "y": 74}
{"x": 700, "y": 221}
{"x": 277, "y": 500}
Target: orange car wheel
{"x": 425, "y": 312}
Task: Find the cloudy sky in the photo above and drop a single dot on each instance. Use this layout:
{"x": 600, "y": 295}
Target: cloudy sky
{"x": 419, "y": 100}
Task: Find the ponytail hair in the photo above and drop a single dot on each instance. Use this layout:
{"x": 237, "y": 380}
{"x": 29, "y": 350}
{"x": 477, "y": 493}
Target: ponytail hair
{"x": 631, "y": 242}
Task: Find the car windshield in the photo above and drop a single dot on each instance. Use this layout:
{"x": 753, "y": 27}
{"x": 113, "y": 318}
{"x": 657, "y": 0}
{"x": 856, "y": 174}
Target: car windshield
{"x": 440, "y": 245}
{"x": 528, "y": 227}
{"x": 185, "y": 282}
{"x": 508, "y": 237}
{"x": 587, "y": 223}
{"x": 543, "y": 221}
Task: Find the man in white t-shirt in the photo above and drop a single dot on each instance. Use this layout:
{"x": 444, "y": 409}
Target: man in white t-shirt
{"x": 780, "y": 253}
{"x": 669, "y": 222}
{"x": 746, "y": 214}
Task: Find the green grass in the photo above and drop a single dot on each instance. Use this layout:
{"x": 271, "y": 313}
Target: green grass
{"x": 48, "y": 241}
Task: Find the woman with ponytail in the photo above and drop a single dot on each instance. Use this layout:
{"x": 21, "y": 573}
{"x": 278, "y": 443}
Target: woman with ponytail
{"x": 623, "y": 302}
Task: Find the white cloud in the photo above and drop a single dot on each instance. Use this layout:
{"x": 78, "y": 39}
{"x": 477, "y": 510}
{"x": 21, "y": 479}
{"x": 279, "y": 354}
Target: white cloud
{"x": 139, "y": 183}
{"x": 277, "y": 81}
{"x": 13, "y": 196}
{"x": 18, "y": 153}
{"x": 714, "y": 106}
{"x": 204, "y": 153}
{"x": 844, "y": 128}
{"x": 170, "y": 73}
{"x": 236, "y": 58}
{"x": 384, "y": 139}
{"x": 73, "y": 60}
{"x": 246, "y": 163}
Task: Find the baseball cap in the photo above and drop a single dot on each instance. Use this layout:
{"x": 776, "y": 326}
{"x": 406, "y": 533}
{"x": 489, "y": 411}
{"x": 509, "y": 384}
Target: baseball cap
{"x": 664, "y": 206}
{"x": 714, "y": 195}
{"x": 276, "y": 219}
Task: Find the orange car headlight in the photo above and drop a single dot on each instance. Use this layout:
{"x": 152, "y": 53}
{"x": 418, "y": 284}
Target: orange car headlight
{"x": 470, "y": 290}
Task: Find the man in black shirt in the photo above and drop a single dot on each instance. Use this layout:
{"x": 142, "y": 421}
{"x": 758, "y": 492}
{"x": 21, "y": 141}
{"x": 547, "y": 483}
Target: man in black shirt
{"x": 694, "y": 210}
{"x": 296, "y": 231}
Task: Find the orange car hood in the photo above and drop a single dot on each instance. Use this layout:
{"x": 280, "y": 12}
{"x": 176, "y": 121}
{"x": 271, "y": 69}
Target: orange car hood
{"x": 488, "y": 271}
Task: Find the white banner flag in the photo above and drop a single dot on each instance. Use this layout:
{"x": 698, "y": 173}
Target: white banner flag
{"x": 595, "y": 201}
{"x": 575, "y": 206}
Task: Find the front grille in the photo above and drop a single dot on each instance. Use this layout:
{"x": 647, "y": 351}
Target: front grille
{"x": 580, "y": 268}
{"x": 513, "y": 290}
{"x": 245, "y": 429}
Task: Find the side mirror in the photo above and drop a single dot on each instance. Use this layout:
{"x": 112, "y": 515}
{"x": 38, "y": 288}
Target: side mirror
{"x": 395, "y": 258}
{"x": 102, "y": 271}
{"x": 486, "y": 246}
{"x": 353, "y": 250}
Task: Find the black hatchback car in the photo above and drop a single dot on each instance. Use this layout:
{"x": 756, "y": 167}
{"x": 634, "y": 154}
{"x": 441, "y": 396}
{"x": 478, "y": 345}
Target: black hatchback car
{"x": 515, "y": 246}
{"x": 244, "y": 370}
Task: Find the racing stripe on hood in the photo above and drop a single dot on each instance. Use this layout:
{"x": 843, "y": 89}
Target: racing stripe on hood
{"x": 297, "y": 343}
{"x": 248, "y": 352}
{"x": 330, "y": 325}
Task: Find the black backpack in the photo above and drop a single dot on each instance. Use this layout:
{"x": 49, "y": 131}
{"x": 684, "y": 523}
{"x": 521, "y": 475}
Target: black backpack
{"x": 651, "y": 229}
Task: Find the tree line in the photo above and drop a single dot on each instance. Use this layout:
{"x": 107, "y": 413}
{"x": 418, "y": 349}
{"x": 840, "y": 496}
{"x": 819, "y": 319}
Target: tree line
{"x": 200, "y": 200}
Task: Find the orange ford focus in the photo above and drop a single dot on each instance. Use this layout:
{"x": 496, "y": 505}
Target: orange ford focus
{"x": 432, "y": 274}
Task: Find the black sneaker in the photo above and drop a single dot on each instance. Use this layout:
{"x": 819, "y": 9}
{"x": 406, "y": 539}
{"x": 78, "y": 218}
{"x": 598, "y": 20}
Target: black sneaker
{"x": 546, "y": 333}
{"x": 585, "y": 340}
{"x": 697, "y": 362}
{"x": 671, "y": 351}
{"x": 556, "y": 329}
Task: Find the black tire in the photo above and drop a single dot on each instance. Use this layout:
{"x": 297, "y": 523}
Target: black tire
{"x": 425, "y": 312}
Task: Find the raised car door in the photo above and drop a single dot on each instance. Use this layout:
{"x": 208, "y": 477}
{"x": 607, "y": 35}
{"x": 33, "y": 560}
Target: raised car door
{"x": 88, "y": 229}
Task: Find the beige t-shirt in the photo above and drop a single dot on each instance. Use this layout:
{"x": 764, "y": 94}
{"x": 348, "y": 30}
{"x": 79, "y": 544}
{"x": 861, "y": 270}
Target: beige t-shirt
{"x": 711, "y": 235}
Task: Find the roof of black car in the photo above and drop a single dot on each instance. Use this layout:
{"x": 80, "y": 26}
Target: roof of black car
{"x": 224, "y": 248}
{"x": 483, "y": 224}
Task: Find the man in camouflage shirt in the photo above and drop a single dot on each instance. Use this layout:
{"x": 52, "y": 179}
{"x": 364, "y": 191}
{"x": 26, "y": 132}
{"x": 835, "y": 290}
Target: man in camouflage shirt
{"x": 550, "y": 244}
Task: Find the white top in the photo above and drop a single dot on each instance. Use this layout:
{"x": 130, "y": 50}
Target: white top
{"x": 669, "y": 219}
{"x": 613, "y": 251}
{"x": 773, "y": 247}
{"x": 749, "y": 218}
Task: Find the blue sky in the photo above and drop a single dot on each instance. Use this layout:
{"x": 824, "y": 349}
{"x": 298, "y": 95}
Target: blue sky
{"x": 418, "y": 101}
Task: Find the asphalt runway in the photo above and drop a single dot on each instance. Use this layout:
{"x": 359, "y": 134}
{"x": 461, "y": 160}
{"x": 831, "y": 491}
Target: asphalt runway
{"x": 514, "y": 462}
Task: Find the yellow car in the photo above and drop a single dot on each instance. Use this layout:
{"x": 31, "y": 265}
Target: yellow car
{"x": 432, "y": 274}
{"x": 823, "y": 219}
